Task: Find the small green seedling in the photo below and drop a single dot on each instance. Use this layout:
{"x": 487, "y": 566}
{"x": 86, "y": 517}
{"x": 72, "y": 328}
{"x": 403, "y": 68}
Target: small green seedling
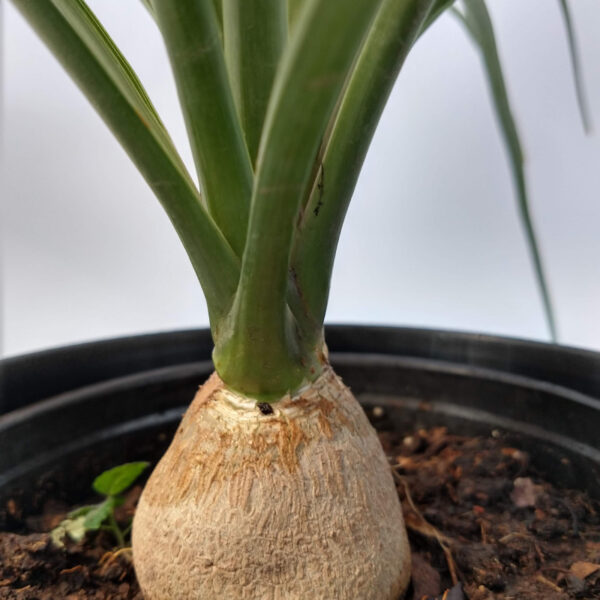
{"x": 111, "y": 484}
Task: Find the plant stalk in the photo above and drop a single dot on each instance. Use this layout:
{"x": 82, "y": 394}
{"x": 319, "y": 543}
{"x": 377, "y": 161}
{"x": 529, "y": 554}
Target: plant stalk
{"x": 396, "y": 27}
{"x": 262, "y": 353}
{"x": 192, "y": 35}
{"x": 255, "y": 35}
{"x": 114, "y": 527}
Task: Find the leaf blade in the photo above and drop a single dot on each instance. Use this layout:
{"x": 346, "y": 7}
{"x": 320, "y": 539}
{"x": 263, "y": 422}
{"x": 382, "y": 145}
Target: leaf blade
{"x": 479, "y": 25}
{"x": 119, "y": 478}
{"x": 98, "y": 515}
{"x": 192, "y": 37}
{"x": 294, "y": 8}
{"x": 584, "y": 111}
{"x": 255, "y": 34}
{"x": 437, "y": 10}
{"x": 313, "y": 70}
{"x": 393, "y": 34}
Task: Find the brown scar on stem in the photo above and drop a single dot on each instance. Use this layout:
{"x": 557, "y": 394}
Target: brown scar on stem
{"x": 141, "y": 118}
{"x": 296, "y": 284}
{"x": 321, "y": 188}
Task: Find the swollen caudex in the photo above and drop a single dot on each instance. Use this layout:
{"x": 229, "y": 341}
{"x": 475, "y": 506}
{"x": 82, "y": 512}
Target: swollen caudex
{"x": 296, "y": 503}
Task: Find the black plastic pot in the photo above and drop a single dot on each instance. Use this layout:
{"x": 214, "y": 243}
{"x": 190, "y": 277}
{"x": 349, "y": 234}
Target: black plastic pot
{"x": 72, "y": 412}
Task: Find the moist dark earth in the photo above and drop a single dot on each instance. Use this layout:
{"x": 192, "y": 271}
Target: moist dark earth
{"x": 482, "y": 524}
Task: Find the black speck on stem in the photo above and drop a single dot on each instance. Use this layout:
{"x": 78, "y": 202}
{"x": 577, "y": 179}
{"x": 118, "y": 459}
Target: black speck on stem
{"x": 265, "y": 408}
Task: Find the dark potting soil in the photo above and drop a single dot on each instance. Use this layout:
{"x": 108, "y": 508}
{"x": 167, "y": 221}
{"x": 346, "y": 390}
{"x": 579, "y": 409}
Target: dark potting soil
{"x": 482, "y": 524}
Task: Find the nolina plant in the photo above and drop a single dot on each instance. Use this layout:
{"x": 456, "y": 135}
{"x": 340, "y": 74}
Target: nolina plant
{"x": 275, "y": 485}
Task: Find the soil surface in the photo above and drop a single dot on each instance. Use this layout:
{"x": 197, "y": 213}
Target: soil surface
{"x": 482, "y": 524}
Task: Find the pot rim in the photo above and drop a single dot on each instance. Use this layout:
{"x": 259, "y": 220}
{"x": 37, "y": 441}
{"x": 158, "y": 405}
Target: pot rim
{"x": 469, "y": 380}
{"x": 89, "y": 363}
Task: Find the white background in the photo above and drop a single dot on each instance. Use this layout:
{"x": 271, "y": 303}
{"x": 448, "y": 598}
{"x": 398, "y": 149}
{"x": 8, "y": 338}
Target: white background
{"x": 432, "y": 237}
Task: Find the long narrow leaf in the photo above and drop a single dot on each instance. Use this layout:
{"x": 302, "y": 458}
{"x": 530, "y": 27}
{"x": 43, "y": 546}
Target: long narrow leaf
{"x": 81, "y": 45}
{"x": 294, "y": 9}
{"x": 192, "y": 35}
{"x": 255, "y": 34}
{"x": 576, "y": 65}
{"x": 313, "y": 70}
{"x": 87, "y": 27}
{"x": 437, "y": 10}
{"x": 219, "y": 12}
{"x": 396, "y": 27}
{"x": 478, "y": 23}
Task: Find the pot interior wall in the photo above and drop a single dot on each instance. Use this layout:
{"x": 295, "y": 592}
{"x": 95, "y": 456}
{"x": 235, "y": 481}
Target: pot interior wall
{"x": 56, "y": 446}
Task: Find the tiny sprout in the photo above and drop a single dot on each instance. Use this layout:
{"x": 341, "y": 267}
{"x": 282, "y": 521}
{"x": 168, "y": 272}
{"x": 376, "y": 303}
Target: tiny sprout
{"x": 111, "y": 484}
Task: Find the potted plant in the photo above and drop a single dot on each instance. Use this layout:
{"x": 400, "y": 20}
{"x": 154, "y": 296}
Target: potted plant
{"x": 275, "y": 470}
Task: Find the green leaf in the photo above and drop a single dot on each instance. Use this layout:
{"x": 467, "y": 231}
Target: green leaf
{"x": 390, "y": 39}
{"x": 79, "y": 42}
{"x": 255, "y": 36}
{"x": 576, "y": 65}
{"x": 261, "y": 353}
{"x": 294, "y": 8}
{"x": 99, "y": 513}
{"x": 439, "y": 7}
{"x": 191, "y": 32}
{"x": 118, "y": 479}
{"x": 219, "y": 12}
{"x": 478, "y": 23}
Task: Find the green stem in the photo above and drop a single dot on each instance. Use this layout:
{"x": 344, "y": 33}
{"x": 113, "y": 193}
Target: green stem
{"x": 219, "y": 12}
{"x": 396, "y": 28}
{"x": 262, "y": 353}
{"x": 192, "y": 36}
{"x": 294, "y": 8}
{"x": 255, "y": 36}
{"x": 116, "y": 529}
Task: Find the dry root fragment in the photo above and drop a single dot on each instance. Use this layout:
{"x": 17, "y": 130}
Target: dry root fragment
{"x": 417, "y": 522}
{"x": 549, "y": 583}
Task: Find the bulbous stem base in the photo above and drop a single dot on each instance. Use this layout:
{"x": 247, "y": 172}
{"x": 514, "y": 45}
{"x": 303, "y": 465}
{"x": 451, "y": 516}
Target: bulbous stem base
{"x": 297, "y": 503}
